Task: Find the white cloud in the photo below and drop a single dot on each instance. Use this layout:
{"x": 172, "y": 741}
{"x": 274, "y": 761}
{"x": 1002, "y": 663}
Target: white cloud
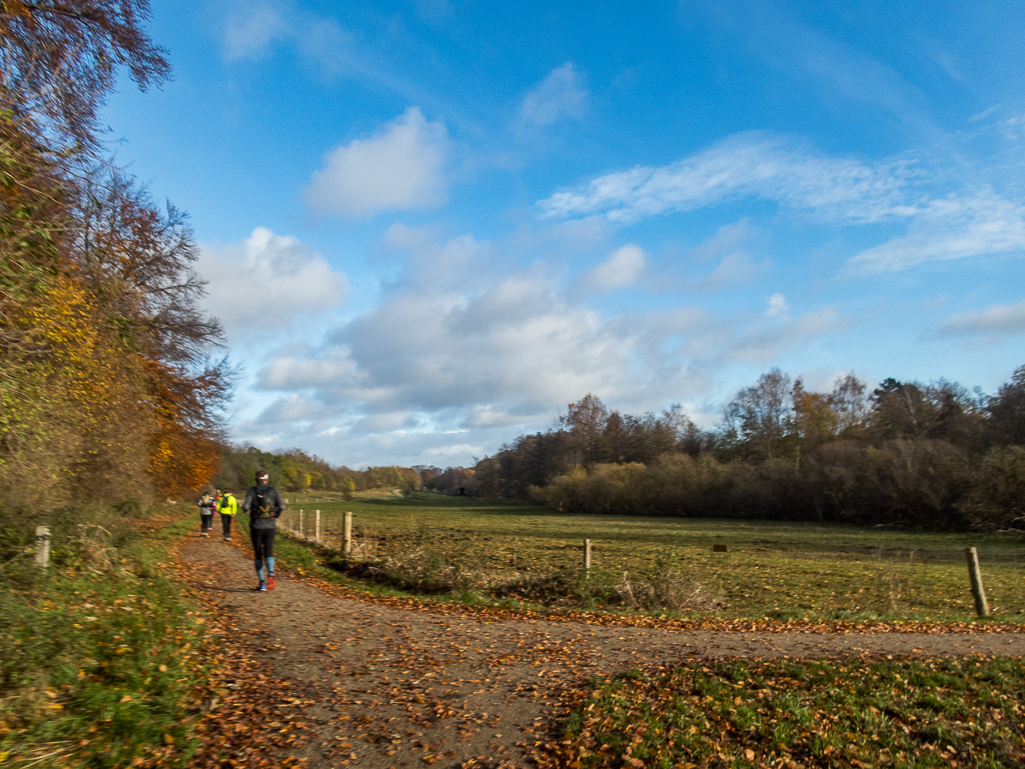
{"x": 293, "y": 407}
{"x": 727, "y": 240}
{"x": 515, "y": 351}
{"x": 249, "y": 31}
{"x": 995, "y": 321}
{"x": 558, "y": 96}
{"x": 777, "y": 305}
{"x": 950, "y": 228}
{"x": 448, "y": 452}
{"x": 497, "y": 356}
{"x": 734, "y": 269}
{"x": 335, "y": 369}
{"x": 509, "y": 347}
{"x": 623, "y": 268}
{"x": 432, "y": 266}
{"x": 268, "y": 282}
{"x": 749, "y": 164}
{"x": 764, "y": 344}
{"x": 402, "y": 167}
{"x": 385, "y": 423}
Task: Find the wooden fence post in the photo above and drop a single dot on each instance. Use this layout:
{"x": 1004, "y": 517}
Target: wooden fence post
{"x": 347, "y": 534}
{"x": 43, "y": 546}
{"x": 587, "y": 555}
{"x": 317, "y": 528}
{"x": 301, "y": 527}
{"x": 975, "y": 575}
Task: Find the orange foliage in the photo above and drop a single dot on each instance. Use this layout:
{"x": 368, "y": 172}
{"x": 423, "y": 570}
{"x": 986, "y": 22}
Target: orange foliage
{"x": 184, "y": 451}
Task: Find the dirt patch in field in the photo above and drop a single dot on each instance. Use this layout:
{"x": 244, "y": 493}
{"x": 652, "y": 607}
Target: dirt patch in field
{"x": 322, "y": 677}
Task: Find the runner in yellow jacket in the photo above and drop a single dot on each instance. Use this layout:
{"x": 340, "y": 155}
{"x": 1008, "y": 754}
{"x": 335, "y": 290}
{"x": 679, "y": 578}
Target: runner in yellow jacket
{"x": 227, "y": 507}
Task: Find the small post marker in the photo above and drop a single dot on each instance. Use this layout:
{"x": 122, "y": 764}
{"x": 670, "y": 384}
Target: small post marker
{"x": 43, "y": 546}
{"x": 317, "y": 529}
{"x": 347, "y": 534}
{"x": 975, "y": 575}
{"x": 587, "y": 554}
{"x": 301, "y": 528}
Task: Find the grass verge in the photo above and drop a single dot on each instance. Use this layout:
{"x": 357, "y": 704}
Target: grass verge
{"x": 100, "y": 655}
{"x": 967, "y": 712}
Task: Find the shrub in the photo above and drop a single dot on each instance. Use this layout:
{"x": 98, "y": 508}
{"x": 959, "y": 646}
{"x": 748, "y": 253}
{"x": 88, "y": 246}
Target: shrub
{"x": 997, "y": 498}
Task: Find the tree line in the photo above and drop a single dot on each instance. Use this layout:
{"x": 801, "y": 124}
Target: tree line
{"x": 907, "y": 454}
{"x": 295, "y": 470}
{"x": 110, "y": 389}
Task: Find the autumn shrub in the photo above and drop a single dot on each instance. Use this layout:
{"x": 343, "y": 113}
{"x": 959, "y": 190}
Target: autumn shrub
{"x": 669, "y": 585}
{"x": 923, "y": 481}
{"x": 425, "y": 570}
{"x": 681, "y": 485}
{"x": 567, "y": 586}
{"x": 997, "y": 496}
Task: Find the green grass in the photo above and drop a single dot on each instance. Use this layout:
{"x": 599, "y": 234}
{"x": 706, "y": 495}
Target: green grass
{"x": 100, "y": 656}
{"x": 855, "y": 712}
{"x": 771, "y": 569}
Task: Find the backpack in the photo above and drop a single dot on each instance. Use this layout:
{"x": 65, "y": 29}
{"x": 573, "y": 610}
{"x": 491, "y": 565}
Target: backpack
{"x": 264, "y": 505}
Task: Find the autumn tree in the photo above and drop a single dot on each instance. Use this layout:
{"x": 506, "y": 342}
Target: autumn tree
{"x": 60, "y": 60}
{"x": 1007, "y": 410}
{"x": 901, "y": 410}
{"x": 586, "y": 422}
{"x": 759, "y": 417}
{"x": 815, "y": 419}
{"x": 850, "y": 405}
{"x": 105, "y": 386}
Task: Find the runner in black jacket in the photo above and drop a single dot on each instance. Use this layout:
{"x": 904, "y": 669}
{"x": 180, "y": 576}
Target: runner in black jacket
{"x": 264, "y": 506}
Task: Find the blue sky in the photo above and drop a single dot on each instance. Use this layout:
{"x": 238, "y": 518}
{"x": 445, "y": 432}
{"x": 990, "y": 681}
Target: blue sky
{"x": 427, "y": 226}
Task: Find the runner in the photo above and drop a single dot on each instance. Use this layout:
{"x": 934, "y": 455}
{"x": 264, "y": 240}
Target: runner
{"x": 227, "y": 507}
{"x": 264, "y": 506}
{"x": 207, "y": 504}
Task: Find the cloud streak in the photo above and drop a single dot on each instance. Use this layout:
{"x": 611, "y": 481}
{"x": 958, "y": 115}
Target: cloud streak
{"x": 1000, "y": 320}
{"x": 948, "y": 229}
{"x": 749, "y": 164}
{"x": 940, "y": 227}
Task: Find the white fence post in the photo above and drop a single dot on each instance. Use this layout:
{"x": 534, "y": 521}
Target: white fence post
{"x": 317, "y": 530}
{"x": 43, "y": 546}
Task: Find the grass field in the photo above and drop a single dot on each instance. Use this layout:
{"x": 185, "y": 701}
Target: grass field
{"x": 770, "y": 569}
{"x": 826, "y": 713}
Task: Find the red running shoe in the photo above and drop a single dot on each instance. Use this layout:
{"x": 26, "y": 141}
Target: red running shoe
{"x": 270, "y": 582}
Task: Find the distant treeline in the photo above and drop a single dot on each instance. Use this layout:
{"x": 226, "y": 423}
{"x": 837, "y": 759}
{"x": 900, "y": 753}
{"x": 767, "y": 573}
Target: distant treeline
{"x": 906, "y": 454}
{"x": 297, "y": 471}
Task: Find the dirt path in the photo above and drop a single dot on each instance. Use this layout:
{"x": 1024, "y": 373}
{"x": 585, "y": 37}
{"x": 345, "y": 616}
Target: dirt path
{"x": 375, "y": 685}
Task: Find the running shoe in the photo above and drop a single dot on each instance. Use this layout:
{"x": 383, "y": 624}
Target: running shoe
{"x": 263, "y": 588}
{"x": 270, "y": 582}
